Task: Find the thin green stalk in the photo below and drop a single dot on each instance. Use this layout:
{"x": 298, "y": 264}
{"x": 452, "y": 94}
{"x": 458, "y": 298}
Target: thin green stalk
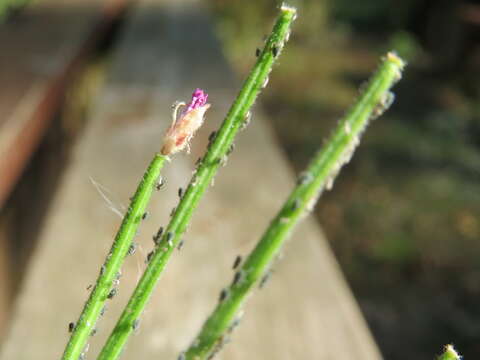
{"x": 110, "y": 271}
{"x": 450, "y": 354}
{"x": 216, "y": 155}
{"x": 318, "y": 176}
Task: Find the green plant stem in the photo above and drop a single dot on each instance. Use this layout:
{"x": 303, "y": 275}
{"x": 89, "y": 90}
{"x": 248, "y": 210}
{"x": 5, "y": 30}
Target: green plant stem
{"x": 111, "y": 268}
{"x": 216, "y": 155}
{"x": 319, "y": 175}
{"x": 449, "y": 354}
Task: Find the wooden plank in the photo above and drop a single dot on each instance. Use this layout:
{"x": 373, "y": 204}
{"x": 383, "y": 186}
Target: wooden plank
{"x": 306, "y": 310}
{"x": 40, "y": 51}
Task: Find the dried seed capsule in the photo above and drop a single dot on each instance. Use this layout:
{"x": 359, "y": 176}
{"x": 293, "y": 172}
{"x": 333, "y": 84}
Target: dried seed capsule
{"x": 71, "y": 327}
{"x": 237, "y": 262}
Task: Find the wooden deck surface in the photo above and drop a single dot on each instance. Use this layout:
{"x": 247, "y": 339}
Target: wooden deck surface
{"x": 306, "y": 310}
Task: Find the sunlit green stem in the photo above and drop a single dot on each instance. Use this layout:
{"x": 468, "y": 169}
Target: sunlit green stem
{"x": 449, "y": 354}
{"x": 319, "y": 175}
{"x": 216, "y": 154}
{"x": 111, "y": 268}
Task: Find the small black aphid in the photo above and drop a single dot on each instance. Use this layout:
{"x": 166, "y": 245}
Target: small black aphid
{"x": 180, "y": 245}
{"x": 304, "y": 178}
{"x": 132, "y": 249}
{"x": 198, "y": 161}
{"x": 93, "y": 332}
{"x": 149, "y": 256}
{"x": 173, "y": 211}
{"x": 264, "y": 280}
{"x": 102, "y": 270}
{"x": 237, "y": 262}
{"x": 71, "y": 327}
{"x": 274, "y": 51}
{"x": 295, "y": 204}
{"x": 237, "y": 277}
{"x": 160, "y": 183}
{"x": 102, "y": 312}
{"x": 212, "y": 136}
{"x": 89, "y": 287}
{"x": 169, "y": 236}
{"x": 135, "y": 324}
{"x": 181, "y": 356}
{"x": 180, "y": 192}
{"x": 223, "y": 295}
{"x": 230, "y": 149}
{"x": 158, "y": 235}
{"x": 234, "y": 324}
{"x": 145, "y": 215}
{"x": 112, "y": 293}
{"x": 257, "y": 52}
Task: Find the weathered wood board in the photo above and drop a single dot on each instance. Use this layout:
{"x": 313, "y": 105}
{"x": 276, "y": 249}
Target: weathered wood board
{"x": 305, "y": 311}
{"x": 40, "y": 50}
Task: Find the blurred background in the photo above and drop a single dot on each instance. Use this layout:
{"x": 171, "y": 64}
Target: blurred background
{"x": 403, "y": 217}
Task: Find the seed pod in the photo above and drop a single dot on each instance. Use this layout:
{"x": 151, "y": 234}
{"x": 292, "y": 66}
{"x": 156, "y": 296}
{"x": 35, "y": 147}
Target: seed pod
{"x": 184, "y": 127}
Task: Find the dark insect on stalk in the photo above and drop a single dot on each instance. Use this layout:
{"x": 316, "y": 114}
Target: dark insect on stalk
{"x": 89, "y": 287}
{"x": 237, "y": 262}
{"x": 71, "y": 327}
{"x": 274, "y": 51}
{"x": 136, "y": 324}
{"x": 158, "y": 235}
{"x": 93, "y": 332}
{"x": 145, "y": 215}
{"x": 132, "y": 249}
{"x": 237, "y": 277}
{"x": 180, "y": 245}
{"x": 212, "y": 136}
{"x": 149, "y": 256}
{"x": 180, "y": 192}
{"x": 112, "y": 293}
{"x": 223, "y": 295}
{"x": 258, "y": 52}
{"x": 160, "y": 183}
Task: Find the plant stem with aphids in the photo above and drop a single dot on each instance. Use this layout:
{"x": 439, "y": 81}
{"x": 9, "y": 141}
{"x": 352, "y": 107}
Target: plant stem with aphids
{"x": 319, "y": 175}
{"x": 220, "y": 146}
{"x": 450, "y": 354}
{"x": 110, "y": 271}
